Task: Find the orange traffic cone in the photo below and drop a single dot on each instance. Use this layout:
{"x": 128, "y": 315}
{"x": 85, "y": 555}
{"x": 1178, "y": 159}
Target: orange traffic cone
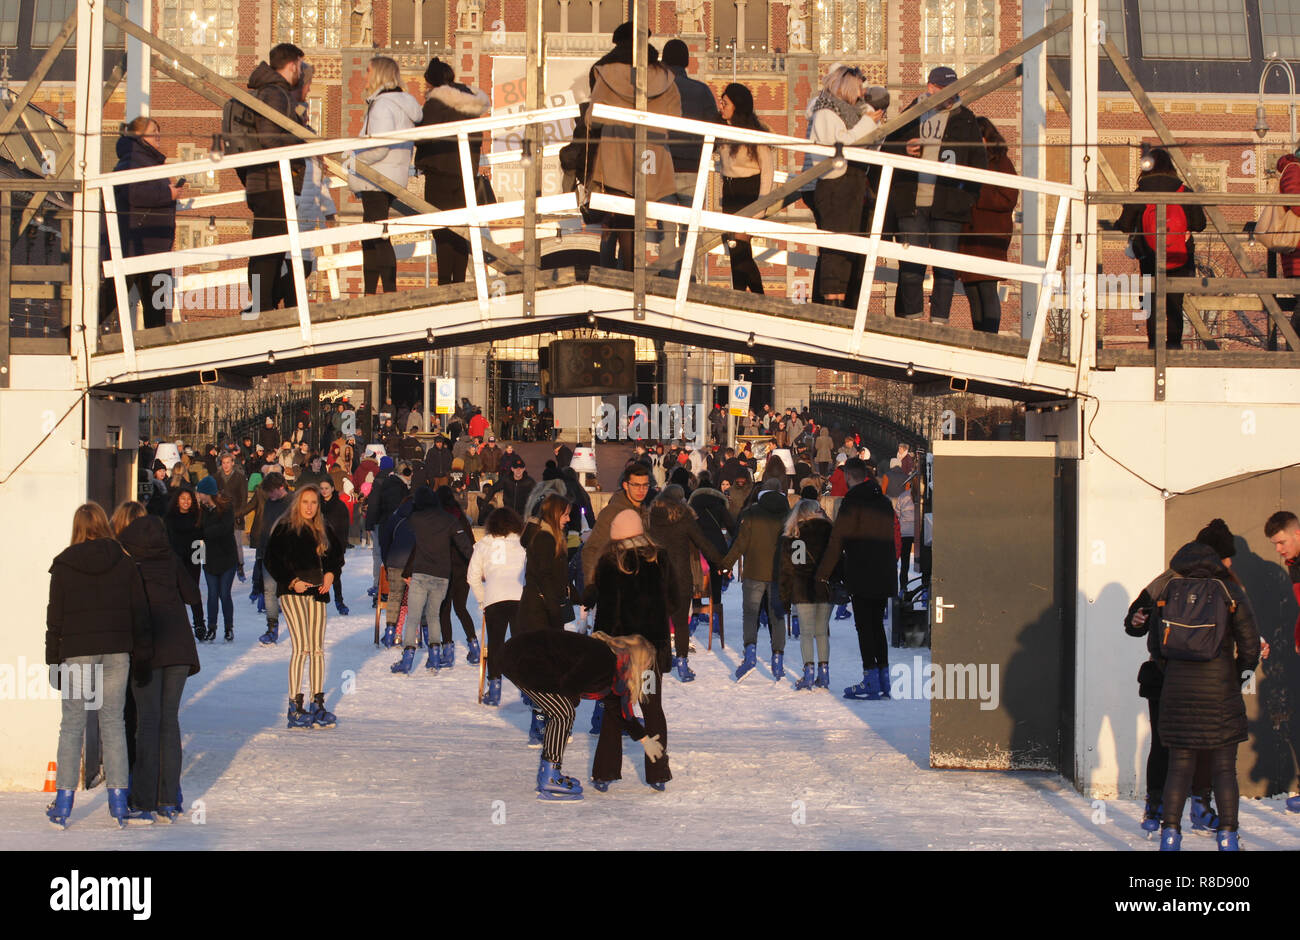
{"x": 51, "y": 778}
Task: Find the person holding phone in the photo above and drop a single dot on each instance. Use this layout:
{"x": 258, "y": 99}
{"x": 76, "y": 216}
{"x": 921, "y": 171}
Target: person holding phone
{"x": 305, "y": 557}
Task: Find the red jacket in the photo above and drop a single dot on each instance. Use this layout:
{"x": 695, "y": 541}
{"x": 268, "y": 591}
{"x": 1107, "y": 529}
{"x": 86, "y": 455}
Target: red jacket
{"x": 1289, "y": 167}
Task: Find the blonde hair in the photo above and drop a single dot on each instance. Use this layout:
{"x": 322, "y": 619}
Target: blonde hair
{"x": 640, "y": 660}
{"x": 294, "y": 520}
{"x": 803, "y": 510}
{"x": 90, "y": 522}
{"x": 384, "y": 74}
{"x": 125, "y": 514}
{"x": 845, "y": 82}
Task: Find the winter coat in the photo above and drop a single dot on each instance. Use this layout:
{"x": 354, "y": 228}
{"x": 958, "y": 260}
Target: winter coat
{"x": 273, "y": 511}
{"x": 1289, "y": 182}
{"x": 220, "y": 553}
{"x": 439, "y": 160}
{"x": 988, "y": 233}
{"x": 1200, "y": 702}
{"x": 799, "y": 584}
{"x": 269, "y": 438}
{"x": 824, "y": 449}
{"x": 638, "y": 601}
{"x": 496, "y": 570}
{"x": 866, "y": 534}
{"x": 97, "y": 604}
{"x": 760, "y": 530}
{"x": 234, "y": 486}
{"x": 905, "y": 508}
{"x": 337, "y": 518}
{"x": 953, "y": 198}
{"x": 146, "y": 211}
{"x": 438, "y": 537}
{"x": 170, "y": 594}
{"x": 738, "y": 498}
{"x": 598, "y": 537}
{"x": 514, "y": 493}
{"x": 568, "y": 664}
{"x": 1130, "y": 221}
{"x": 387, "y": 111}
{"x": 158, "y": 497}
{"x": 714, "y": 516}
{"x": 672, "y": 526}
{"x": 292, "y": 555}
{"x": 616, "y": 165}
{"x": 386, "y": 494}
{"x": 544, "y": 600}
{"x": 271, "y": 89}
{"x": 827, "y": 127}
{"x": 437, "y": 462}
{"x": 396, "y": 540}
{"x": 185, "y": 532}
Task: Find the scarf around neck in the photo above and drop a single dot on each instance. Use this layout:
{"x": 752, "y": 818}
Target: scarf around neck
{"x": 843, "y": 110}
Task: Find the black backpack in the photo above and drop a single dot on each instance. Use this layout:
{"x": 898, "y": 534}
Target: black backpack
{"x": 1195, "y": 614}
{"x": 238, "y": 132}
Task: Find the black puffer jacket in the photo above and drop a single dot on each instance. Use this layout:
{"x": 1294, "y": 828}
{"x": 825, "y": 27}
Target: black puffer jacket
{"x": 439, "y": 159}
{"x": 634, "y": 601}
{"x": 185, "y": 533}
{"x": 672, "y": 526}
{"x": 170, "y": 593}
{"x": 220, "y": 553}
{"x": 439, "y": 536}
{"x": 146, "y": 210}
{"x": 799, "y": 584}
{"x": 1200, "y": 703}
{"x": 291, "y": 555}
{"x": 337, "y": 518}
{"x": 97, "y": 604}
{"x": 865, "y": 534}
{"x": 544, "y": 602}
{"x": 713, "y": 515}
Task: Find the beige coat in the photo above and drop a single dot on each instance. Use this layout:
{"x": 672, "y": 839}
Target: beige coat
{"x": 615, "y": 164}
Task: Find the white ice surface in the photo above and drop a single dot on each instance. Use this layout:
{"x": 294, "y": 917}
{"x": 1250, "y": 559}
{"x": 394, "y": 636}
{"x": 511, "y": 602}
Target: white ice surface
{"x": 415, "y": 763}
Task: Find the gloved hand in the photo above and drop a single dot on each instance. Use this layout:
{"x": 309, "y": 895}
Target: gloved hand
{"x": 653, "y": 749}
{"x": 142, "y": 675}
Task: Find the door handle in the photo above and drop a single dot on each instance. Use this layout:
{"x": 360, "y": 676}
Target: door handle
{"x": 939, "y": 608}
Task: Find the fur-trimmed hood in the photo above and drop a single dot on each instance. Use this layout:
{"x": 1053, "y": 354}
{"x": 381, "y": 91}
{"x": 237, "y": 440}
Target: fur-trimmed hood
{"x": 463, "y": 100}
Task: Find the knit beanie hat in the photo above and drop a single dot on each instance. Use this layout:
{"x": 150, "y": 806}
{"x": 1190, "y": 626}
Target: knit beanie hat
{"x": 207, "y": 486}
{"x": 439, "y": 73}
{"x": 626, "y": 525}
{"x": 386, "y": 463}
{"x": 1217, "y": 536}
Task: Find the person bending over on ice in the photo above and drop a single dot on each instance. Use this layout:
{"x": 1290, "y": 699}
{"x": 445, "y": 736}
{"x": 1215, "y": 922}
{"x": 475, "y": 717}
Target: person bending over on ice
{"x": 556, "y": 669}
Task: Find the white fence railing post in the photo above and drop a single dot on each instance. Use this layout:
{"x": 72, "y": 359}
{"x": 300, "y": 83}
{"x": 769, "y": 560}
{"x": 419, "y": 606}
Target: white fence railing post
{"x": 693, "y": 230}
{"x": 295, "y": 252}
{"x": 125, "y": 312}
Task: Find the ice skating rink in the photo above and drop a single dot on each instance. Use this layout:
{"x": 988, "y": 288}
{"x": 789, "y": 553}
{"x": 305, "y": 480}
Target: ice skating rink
{"x": 415, "y": 763}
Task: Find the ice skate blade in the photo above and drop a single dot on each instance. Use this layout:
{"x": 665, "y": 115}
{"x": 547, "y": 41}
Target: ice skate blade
{"x": 549, "y": 797}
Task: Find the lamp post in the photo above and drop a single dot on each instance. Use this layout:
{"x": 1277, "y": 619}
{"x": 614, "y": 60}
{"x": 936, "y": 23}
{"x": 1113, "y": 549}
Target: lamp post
{"x": 1261, "y": 123}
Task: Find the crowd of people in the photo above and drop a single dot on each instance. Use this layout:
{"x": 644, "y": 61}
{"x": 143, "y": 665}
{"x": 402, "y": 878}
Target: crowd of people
{"x": 832, "y": 535}
{"x": 927, "y": 210}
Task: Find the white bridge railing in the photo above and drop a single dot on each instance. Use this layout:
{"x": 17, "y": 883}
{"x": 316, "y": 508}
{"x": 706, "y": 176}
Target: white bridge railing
{"x": 873, "y": 245}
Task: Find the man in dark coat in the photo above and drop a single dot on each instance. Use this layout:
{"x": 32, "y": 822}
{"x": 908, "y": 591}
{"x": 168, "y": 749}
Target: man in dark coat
{"x": 931, "y": 209}
{"x": 274, "y": 83}
{"x": 673, "y": 527}
{"x": 437, "y": 463}
{"x": 756, "y": 541}
{"x": 866, "y": 534}
{"x": 269, "y": 437}
{"x": 515, "y": 486}
{"x": 234, "y": 484}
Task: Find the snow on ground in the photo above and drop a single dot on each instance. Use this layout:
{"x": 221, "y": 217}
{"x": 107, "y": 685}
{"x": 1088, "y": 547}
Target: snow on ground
{"x": 415, "y": 763}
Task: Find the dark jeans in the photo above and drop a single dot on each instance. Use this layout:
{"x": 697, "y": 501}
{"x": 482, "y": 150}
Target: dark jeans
{"x": 869, "y": 618}
{"x": 142, "y": 289}
{"x": 1173, "y": 308}
{"x": 985, "y": 307}
{"x": 378, "y": 260}
{"x": 453, "y": 256}
{"x": 905, "y": 563}
{"x": 156, "y": 771}
{"x": 456, "y": 596}
{"x": 738, "y": 192}
{"x": 497, "y": 618}
{"x": 1223, "y": 774}
{"x": 924, "y": 232}
{"x": 219, "y": 586}
{"x": 265, "y": 271}
{"x": 608, "y": 762}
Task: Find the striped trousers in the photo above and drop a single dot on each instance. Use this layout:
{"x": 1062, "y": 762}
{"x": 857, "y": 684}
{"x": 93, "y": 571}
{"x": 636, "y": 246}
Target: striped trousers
{"x": 559, "y": 711}
{"x": 305, "y": 618}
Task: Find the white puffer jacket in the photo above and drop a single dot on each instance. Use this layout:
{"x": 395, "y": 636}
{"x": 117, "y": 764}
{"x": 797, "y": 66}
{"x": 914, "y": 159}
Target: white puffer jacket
{"x": 387, "y": 111}
{"x": 496, "y": 570}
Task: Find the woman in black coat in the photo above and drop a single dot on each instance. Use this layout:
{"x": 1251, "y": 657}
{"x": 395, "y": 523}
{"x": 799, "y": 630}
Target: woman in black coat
{"x": 439, "y": 160}
{"x": 457, "y": 590}
{"x": 304, "y": 558}
{"x": 802, "y": 546}
{"x": 220, "y": 558}
{"x": 556, "y": 669}
{"x": 1201, "y": 708}
{"x": 184, "y": 524}
{"x": 339, "y": 521}
{"x": 146, "y": 214}
{"x": 673, "y": 528}
{"x": 159, "y": 680}
{"x": 96, "y": 623}
{"x": 631, "y": 592}
{"x": 544, "y": 604}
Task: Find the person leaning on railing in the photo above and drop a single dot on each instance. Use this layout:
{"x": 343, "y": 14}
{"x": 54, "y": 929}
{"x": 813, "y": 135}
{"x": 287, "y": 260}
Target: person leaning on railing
{"x": 1289, "y": 264}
